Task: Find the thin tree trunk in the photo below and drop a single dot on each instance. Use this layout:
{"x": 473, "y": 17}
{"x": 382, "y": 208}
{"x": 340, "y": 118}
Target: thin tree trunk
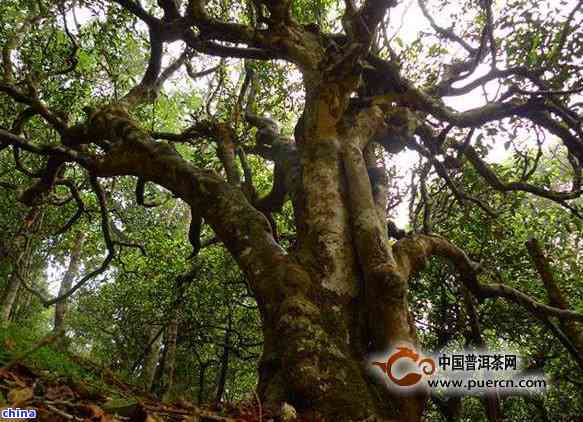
{"x": 9, "y": 296}
{"x": 224, "y": 368}
{"x": 158, "y": 381}
{"x": 21, "y": 265}
{"x": 151, "y": 360}
{"x": 67, "y": 282}
{"x": 491, "y": 399}
{"x": 20, "y": 269}
{"x": 170, "y": 361}
{"x": 201, "y": 381}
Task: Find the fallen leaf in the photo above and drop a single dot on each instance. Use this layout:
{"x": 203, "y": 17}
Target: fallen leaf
{"x": 153, "y": 418}
{"x": 92, "y": 411}
{"x": 59, "y": 392}
{"x": 19, "y": 396}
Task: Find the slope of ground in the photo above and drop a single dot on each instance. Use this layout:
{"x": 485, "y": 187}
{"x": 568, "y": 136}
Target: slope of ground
{"x": 60, "y": 386}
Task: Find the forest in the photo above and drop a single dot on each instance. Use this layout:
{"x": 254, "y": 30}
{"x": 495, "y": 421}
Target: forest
{"x": 251, "y": 210}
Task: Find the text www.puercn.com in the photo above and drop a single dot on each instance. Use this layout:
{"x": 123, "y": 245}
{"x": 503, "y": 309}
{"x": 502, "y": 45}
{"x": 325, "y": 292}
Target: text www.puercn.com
{"x": 490, "y": 383}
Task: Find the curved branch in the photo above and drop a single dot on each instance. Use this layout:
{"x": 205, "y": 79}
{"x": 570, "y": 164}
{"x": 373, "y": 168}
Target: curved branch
{"x": 446, "y": 33}
{"x": 275, "y": 199}
{"x": 412, "y": 253}
{"x": 136, "y": 9}
{"x": 140, "y": 188}
{"x": 37, "y": 105}
{"x": 80, "y": 206}
{"x": 100, "y": 194}
{"x": 146, "y": 89}
{"x": 105, "y": 224}
{"x": 494, "y": 181}
{"x": 271, "y": 144}
{"x": 243, "y": 229}
{"x": 196, "y": 75}
{"x": 53, "y": 171}
{"x": 532, "y": 108}
{"x": 460, "y": 195}
{"x": 215, "y": 49}
{"x": 20, "y": 167}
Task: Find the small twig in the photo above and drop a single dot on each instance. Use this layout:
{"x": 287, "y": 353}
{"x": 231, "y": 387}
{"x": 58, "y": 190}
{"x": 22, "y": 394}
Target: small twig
{"x": 62, "y": 413}
{"x": 548, "y": 91}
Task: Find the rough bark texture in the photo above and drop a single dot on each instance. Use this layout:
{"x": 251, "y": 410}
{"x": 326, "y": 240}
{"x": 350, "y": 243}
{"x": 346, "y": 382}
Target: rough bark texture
{"x": 341, "y": 292}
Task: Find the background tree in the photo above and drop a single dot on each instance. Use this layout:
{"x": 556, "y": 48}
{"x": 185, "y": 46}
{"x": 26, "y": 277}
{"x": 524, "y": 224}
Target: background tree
{"x": 508, "y": 242}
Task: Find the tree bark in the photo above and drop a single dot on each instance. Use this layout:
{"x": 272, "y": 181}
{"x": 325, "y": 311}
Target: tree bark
{"x": 555, "y": 294}
{"x": 20, "y": 268}
{"x": 224, "y": 363}
{"x": 491, "y": 399}
{"x": 170, "y": 356}
{"x": 66, "y": 283}
{"x": 202, "y": 381}
{"x": 340, "y": 295}
{"x": 344, "y": 295}
{"x": 341, "y": 292}
{"x": 152, "y": 357}
{"x": 9, "y": 297}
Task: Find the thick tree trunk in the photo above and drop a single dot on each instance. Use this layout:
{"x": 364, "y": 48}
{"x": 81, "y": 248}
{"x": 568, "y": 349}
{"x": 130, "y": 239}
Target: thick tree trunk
{"x": 66, "y": 283}
{"x": 341, "y": 294}
{"x": 314, "y": 358}
{"x": 345, "y": 296}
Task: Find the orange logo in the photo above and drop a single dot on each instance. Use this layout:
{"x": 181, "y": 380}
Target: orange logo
{"x": 411, "y": 378}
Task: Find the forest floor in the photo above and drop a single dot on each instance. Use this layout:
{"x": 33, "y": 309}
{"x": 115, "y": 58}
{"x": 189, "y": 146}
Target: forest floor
{"x": 60, "y": 386}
